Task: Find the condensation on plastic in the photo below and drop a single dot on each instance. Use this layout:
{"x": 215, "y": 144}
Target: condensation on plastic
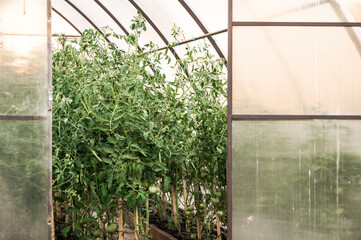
{"x": 23, "y": 193}
{"x": 23, "y": 144}
{"x": 23, "y": 55}
{"x": 296, "y": 180}
{"x": 292, "y": 10}
{"x": 300, "y": 70}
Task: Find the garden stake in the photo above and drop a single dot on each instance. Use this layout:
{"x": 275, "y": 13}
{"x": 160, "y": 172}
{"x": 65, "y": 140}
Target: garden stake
{"x": 199, "y": 231}
{"x": 185, "y": 201}
{"x": 136, "y": 224}
{"x": 52, "y": 222}
{"x": 219, "y": 233}
{"x": 66, "y": 207}
{"x": 120, "y": 220}
{"x": 57, "y": 208}
{"x": 74, "y": 219}
{"x": 174, "y": 201}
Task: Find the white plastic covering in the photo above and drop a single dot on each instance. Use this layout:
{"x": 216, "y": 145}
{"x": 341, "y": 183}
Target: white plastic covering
{"x": 164, "y": 14}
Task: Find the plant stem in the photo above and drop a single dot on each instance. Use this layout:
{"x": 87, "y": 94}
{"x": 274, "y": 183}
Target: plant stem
{"x": 147, "y": 217}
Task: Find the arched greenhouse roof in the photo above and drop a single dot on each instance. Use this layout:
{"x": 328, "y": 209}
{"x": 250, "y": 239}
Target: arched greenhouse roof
{"x": 195, "y": 17}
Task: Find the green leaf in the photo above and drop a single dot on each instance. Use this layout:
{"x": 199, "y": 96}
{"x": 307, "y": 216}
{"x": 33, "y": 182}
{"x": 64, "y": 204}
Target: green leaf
{"x": 112, "y": 140}
{"x": 65, "y": 231}
{"x": 128, "y": 156}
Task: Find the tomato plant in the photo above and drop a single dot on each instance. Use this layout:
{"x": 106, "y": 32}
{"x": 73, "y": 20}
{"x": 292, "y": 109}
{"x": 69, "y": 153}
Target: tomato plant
{"x": 126, "y": 136}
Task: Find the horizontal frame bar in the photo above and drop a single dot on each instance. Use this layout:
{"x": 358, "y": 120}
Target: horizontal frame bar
{"x": 190, "y": 40}
{"x": 68, "y": 36}
{"x": 297, "y": 24}
{"x": 243, "y": 117}
{"x": 23, "y": 35}
{"x": 87, "y": 19}
{"x": 202, "y": 27}
{"x": 22, "y": 117}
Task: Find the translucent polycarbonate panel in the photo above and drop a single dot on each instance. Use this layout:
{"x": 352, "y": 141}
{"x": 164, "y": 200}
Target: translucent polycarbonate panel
{"x": 299, "y": 70}
{"x": 292, "y": 10}
{"x": 23, "y": 180}
{"x": 355, "y": 8}
{"x": 23, "y": 58}
{"x": 296, "y": 180}
{"x": 23, "y": 17}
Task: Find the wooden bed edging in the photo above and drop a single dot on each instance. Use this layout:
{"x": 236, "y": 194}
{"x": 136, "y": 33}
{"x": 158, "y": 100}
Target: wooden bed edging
{"x": 158, "y": 234}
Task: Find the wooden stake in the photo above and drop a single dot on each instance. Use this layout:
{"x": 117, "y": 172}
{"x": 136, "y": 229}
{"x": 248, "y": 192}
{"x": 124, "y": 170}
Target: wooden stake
{"x": 185, "y": 192}
{"x": 66, "y": 214}
{"x": 219, "y": 233}
{"x": 120, "y": 220}
{"x": 57, "y": 208}
{"x": 199, "y": 230}
{"x": 174, "y": 202}
{"x": 74, "y": 218}
{"x": 52, "y": 223}
{"x": 136, "y": 224}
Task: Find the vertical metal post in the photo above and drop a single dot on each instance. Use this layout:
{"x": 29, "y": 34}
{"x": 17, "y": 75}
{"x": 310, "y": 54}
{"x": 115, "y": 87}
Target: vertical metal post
{"x": 229, "y": 124}
{"x": 49, "y": 122}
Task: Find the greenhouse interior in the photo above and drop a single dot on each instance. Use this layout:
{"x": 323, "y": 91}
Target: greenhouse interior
{"x": 180, "y": 119}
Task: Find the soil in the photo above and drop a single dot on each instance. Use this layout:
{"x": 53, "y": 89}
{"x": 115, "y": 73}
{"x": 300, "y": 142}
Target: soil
{"x": 169, "y": 228}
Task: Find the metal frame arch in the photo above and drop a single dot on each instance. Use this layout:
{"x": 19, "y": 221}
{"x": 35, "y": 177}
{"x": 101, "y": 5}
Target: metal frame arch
{"x": 202, "y": 27}
{"x": 66, "y": 19}
{"x": 121, "y": 26}
{"x": 135, "y": 5}
{"x": 86, "y": 18}
{"x": 112, "y": 16}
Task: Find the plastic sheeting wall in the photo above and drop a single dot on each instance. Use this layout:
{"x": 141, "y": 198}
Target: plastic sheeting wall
{"x": 25, "y": 185}
{"x": 299, "y": 178}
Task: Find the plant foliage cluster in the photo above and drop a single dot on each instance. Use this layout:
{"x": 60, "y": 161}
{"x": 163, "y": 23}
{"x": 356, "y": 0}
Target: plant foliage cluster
{"x": 126, "y": 137}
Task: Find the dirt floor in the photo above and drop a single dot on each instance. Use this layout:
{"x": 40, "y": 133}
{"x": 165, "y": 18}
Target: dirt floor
{"x": 128, "y": 233}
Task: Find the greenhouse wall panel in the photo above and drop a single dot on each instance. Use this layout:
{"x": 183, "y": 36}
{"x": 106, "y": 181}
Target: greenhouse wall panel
{"x": 23, "y": 181}
{"x": 296, "y": 179}
{"x": 303, "y": 70}
{"x": 294, "y": 120}
{"x": 25, "y": 120}
{"x": 295, "y": 11}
